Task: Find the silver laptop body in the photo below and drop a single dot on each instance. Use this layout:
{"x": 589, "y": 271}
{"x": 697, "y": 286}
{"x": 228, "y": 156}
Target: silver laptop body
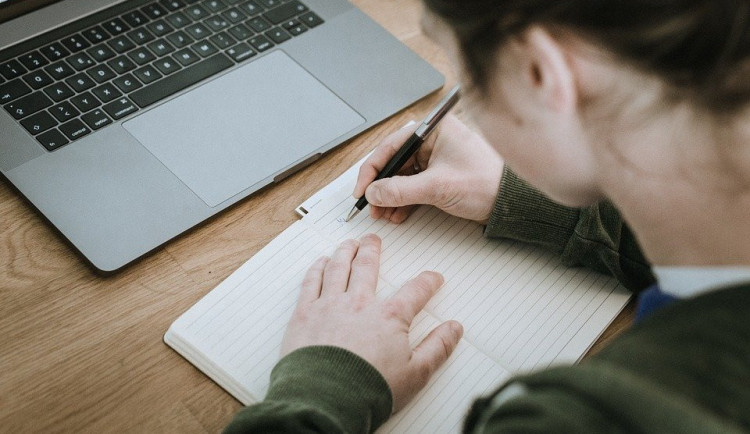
{"x": 119, "y": 191}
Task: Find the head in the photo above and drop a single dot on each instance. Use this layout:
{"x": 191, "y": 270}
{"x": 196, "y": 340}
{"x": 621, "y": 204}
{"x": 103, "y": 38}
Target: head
{"x": 564, "y": 89}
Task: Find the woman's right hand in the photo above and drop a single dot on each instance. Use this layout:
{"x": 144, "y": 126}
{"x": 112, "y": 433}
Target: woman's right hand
{"x": 455, "y": 170}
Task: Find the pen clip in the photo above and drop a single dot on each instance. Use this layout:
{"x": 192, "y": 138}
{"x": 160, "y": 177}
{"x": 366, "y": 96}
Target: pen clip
{"x": 432, "y": 119}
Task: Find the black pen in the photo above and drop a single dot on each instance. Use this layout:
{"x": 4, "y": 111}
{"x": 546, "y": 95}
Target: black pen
{"x": 412, "y": 144}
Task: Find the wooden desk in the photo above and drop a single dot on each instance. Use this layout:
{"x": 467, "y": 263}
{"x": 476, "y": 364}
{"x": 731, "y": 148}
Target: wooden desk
{"x": 81, "y": 353}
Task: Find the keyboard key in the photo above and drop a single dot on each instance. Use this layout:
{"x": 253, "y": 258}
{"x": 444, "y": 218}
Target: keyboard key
{"x": 278, "y": 35}
{"x": 260, "y": 43}
{"x": 141, "y": 56}
{"x": 100, "y": 53}
{"x": 147, "y": 74}
{"x": 58, "y": 91}
{"x": 106, "y": 92}
{"x": 241, "y": 52}
{"x": 186, "y": 57}
{"x": 39, "y": 123}
{"x": 120, "y": 108}
{"x": 269, "y": 3}
{"x": 52, "y": 140}
{"x": 154, "y": 11}
{"x": 85, "y": 102}
{"x": 159, "y": 28}
{"x": 240, "y": 32}
{"x": 121, "y": 44}
{"x": 135, "y": 19}
{"x": 216, "y": 23}
{"x": 167, "y": 65}
{"x": 311, "y": 20}
{"x": 251, "y": 8}
{"x": 258, "y": 24}
{"x": 179, "y": 39}
{"x": 75, "y": 43}
{"x": 80, "y": 61}
{"x": 178, "y": 19}
{"x": 285, "y": 12}
{"x": 74, "y": 129}
{"x": 297, "y": 30}
{"x": 116, "y": 26}
{"x": 37, "y": 79}
{"x": 197, "y": 31}
{"x": 222, "y": 40}
{"x": 181, "y": 80}
{"x": 160, "y": 47}
{"x": 101, "y": 73}
{"x": 96, "y": 35}
{"x": 54, "y": 52}
{"x": 233, "y": 15}
{"x": 141, "y": 36}
{"x": 214, "y": 5}
{"x": 127, "y": 83}
{"x": 288, "y": 24}
{"x": 121, "y": 64}
{"x": 33, "y": 60}
{"x": 80, "y": 82}
{"x": 28, "y": 105}
{"x": 64, "y": 111}
{"x": 12, "y": 90}
{"x": 172, "y": 5}
{"x": 59, "y": 70}
{"x": 96, "y": 119}
{"x": 196, "y": 12}
{"x": 11, "y": 69}
{"x": 204, "y": 48}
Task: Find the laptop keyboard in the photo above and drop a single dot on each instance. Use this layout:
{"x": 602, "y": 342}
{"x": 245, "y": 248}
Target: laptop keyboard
{"x": 67, "y": 83}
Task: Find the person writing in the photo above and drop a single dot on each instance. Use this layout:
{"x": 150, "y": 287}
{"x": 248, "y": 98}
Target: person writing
{"x": 624, "y": 131}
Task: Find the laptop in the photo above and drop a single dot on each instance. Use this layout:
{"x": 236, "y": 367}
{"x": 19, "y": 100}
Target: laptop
{"x": 126, "y": 123}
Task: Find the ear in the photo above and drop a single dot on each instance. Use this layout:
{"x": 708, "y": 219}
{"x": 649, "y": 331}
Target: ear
{"x": 549, "y": 72}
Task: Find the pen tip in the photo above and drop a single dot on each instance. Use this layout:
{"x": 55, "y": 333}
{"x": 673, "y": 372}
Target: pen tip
{"x": 352, "y": 213}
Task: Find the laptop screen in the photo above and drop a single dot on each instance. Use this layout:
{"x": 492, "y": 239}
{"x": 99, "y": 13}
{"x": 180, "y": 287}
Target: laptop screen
{"x": 13, "y": 8}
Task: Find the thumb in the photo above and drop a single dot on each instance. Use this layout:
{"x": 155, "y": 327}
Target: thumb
{"x": 401, "y": 191}
{"x": 435, "y": 349}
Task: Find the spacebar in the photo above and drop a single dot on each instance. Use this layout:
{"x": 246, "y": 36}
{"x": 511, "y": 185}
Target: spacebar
{"x": 180, "y": 80}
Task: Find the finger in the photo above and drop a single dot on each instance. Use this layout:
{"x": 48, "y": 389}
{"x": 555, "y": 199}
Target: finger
{"x": 376, "y": 212}
{"x": 398, "y": 191}
{"x": 414, "y": 295}
{"x": 388, "y": 213}
{"x": 435, "y": 349}
{"x": 336, "y": 272}
{"x": 364, "y": 276}
{"x": 401, "y": 214}
{"x": 380, "y": 157}
{"x": 312, "y": 281}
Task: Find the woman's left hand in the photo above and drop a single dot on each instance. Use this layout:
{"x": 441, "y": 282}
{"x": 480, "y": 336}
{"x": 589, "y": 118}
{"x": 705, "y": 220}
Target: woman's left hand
{"x": 337, "y": 306}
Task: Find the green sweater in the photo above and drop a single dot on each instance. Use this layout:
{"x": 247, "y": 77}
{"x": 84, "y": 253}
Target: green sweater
{"x": 686, "y": 369}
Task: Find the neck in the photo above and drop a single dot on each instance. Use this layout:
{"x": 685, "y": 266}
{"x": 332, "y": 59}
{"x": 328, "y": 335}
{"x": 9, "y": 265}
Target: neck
{"x": 683, "y": 189}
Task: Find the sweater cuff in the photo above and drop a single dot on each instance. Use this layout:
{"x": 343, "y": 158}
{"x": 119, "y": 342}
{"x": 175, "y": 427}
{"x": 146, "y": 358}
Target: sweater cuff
{"x": 523, "y": 213}
{"x": 337, "y": 382}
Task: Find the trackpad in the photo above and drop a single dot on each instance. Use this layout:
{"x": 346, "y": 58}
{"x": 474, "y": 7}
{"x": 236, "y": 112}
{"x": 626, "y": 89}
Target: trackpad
{"x": 239, "y": 130}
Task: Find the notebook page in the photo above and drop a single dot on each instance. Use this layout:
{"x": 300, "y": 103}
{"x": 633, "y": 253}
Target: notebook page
{"x": 517, "y": 303}
{"x": 234, "y": 334}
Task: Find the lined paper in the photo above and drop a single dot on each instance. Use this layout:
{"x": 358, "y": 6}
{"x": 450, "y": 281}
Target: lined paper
{"x": 521, "y": 309}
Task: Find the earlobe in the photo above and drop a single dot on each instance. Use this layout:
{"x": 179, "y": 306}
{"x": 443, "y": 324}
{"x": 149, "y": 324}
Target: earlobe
{"x": 551, "y": 73}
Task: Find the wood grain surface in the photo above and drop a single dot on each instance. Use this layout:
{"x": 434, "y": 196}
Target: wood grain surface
{"x": 83, "y": 353}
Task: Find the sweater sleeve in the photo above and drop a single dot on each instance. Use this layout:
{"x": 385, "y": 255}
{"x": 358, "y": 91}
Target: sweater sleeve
{"x": 319, "y": 389}
{"x": 595, "y": 237}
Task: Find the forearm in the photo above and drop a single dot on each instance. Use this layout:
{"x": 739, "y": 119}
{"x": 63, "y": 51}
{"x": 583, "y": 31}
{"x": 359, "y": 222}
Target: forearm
{"x": 595, "y": 237}
{"x": 307, "y": 396}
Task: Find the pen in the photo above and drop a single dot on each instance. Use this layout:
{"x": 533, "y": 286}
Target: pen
{"x": 412, "y": 144}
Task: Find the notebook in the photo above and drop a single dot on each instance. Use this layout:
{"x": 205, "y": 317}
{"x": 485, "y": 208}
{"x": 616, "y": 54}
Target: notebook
{"x": 521, "y": 309}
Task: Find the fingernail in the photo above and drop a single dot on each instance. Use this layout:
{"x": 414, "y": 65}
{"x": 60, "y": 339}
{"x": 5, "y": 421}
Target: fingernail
{"x": 457, "y": 329}
{"x": 374, "y": 196}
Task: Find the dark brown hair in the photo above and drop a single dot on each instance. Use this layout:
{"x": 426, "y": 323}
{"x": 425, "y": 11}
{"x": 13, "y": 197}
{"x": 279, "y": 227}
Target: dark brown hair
{"x": 700, "y": 48}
